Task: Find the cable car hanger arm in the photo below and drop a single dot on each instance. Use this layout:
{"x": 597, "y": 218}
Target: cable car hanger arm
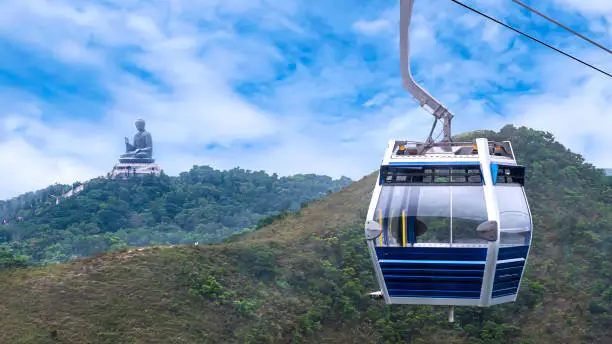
{"x": 425, "y": 99}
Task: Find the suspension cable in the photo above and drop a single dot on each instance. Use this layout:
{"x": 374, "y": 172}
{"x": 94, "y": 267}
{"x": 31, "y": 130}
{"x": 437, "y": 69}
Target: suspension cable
{"x": 565, "y": 27}
{"x": 531, "y": 37}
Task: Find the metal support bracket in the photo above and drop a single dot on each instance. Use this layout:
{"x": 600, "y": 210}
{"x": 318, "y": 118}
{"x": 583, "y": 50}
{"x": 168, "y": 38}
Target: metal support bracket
{"x": 425, "y": 99}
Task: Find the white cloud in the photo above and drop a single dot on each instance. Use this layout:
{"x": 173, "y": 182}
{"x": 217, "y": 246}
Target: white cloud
{"x": 201, "y": 108}
{"x": 378, "y": 99}
{"x": 579, "y": 117}
{"x": 197, "y": 105}
{"x": 76, "y": 53}
{"x": 385, "y": 24}
{"x": 594, "y": 7}
{"x": 373, "y": 27}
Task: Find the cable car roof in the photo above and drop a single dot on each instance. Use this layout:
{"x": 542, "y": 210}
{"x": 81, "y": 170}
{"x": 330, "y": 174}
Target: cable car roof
{"x": 402, "y": 152}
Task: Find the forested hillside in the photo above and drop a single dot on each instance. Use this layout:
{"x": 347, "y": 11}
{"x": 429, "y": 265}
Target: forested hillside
{"x": 203, "y": 205}
{"x": 304, "y": 278}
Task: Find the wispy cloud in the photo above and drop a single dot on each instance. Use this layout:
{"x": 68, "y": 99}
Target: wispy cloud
{"x": 592, "y": 7}
{"x": 375, "y": 27}
{"x": 277, "y": 85}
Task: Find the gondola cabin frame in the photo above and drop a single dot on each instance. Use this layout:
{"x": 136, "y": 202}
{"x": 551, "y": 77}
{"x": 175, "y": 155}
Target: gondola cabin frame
{"x": 476, "y": 190}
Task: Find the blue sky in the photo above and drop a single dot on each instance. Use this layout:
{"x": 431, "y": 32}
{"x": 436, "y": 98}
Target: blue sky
{"x": 288, "y": 86}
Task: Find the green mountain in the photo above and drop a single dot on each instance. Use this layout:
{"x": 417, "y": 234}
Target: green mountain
{"x": 304, "y": 277}
{"x": 203, "y": 205}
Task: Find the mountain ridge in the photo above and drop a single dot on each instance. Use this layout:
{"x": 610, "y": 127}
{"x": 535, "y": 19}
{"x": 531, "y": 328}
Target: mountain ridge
{"x": 304, "y": 278}
{"x": 201, "y": 205}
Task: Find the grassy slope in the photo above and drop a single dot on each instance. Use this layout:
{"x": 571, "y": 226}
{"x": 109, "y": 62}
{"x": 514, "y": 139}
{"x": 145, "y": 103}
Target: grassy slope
{"x": 143, "y": 295}
{"x": 300, "y": 279}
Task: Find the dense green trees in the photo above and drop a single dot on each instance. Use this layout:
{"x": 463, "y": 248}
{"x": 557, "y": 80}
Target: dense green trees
{"x": 203, "y": 205}
{"x": 9, "y": 259}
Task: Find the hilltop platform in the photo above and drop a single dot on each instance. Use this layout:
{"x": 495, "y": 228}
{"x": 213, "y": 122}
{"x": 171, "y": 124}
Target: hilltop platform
{"x": 134, "y": 167}
{"x": 136, "y": 160}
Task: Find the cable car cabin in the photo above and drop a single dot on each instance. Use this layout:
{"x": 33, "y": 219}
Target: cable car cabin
{"x": 450, "y": 225}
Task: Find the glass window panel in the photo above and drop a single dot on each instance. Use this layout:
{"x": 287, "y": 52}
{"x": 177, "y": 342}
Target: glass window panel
{"x": 513, "y": 215}
{"x": 431, "y": 210}
{"x": 431, "y": 207}
{"x": 434, "y": 211}
{"x": 392, "y": 201}
{"x": 469, "y": 210}
{"x": 514, "y": 239}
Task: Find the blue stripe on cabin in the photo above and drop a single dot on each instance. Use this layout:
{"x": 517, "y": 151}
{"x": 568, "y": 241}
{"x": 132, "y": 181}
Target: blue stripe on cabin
{"x": 494, "y": 169}
{"x": 432, "y": 272}
{"x": 447, "y": 262}
{"x": 432, "y": 253}
{"x": 512, "y": 252}
{"x": 435, "y": 271}
{"x": 508, "y": 275}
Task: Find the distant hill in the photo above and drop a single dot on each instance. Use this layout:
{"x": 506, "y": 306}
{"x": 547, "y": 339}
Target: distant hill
{"x": 203, "y": 205}
{"x": 303, "y": 278}
{"x": 608, "y": 171}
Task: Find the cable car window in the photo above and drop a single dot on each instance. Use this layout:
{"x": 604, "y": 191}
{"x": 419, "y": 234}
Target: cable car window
{"x": 433, "y": 210}
{"x": 422, "y": 211}
{"x": 398, "y": 204}
{"x": 514, "y": 220}
{"x": 422, "y": 214}
{"x": 449, "y": 175}
{"x": 468, "y": 211}
{"x": 510, "y": 175}
{"x": 392, "y": 201}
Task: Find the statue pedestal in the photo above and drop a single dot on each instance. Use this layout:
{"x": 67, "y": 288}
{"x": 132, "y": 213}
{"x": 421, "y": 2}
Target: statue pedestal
{"x": 134, "y": 167}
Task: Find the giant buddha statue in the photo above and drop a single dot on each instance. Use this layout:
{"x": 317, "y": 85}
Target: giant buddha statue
{"x": 141, "y": 150}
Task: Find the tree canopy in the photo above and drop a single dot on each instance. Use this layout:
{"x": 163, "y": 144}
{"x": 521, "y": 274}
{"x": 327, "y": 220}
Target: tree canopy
{"x": 202, "y": 205}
